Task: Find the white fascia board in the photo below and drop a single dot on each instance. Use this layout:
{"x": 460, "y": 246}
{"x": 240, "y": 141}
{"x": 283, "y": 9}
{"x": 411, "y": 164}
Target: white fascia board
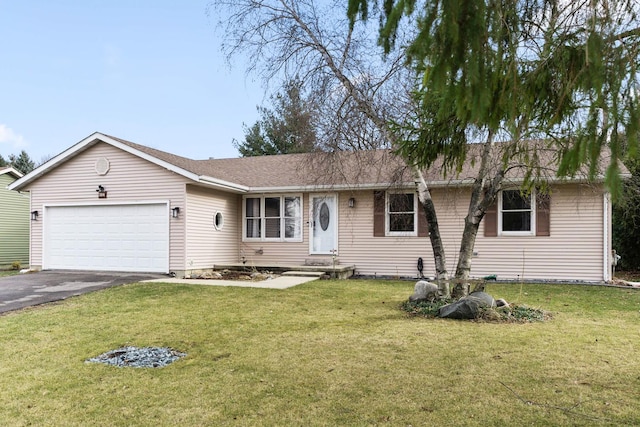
{"x": 222, "y": 184}
{"x": 9, "y": 169}
{"x": 386, "y": 185}
{"x": 86, "y": 143}
{"x": 328, "y": 187}
{"x": 53, "y": 162}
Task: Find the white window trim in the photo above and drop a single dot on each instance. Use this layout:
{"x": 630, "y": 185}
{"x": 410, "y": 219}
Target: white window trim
{"x": 532, "y": 231}
{"x": 215, "y": 223}
{"x": 387, "y": 224}
{"x": 263, "y": 222}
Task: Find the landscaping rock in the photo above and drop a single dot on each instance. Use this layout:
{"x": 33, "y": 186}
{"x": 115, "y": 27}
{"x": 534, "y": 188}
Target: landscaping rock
{"x": 258, "y": 277}
{"x": 484, "y": 297}
{"x": 145, "y": 357}
{"x": 467, "y": 307}
{"x": 424, "y": 291}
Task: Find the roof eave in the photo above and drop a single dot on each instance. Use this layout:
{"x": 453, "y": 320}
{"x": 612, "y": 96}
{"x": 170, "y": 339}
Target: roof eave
{"x": 11, "y": 170}
{"x": 222, "y": 184}
{"x": 83, "y": 145}
{"x": 385, "y": 185}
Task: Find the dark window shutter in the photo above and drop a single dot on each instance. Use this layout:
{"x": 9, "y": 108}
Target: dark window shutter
{"x": 543, "y": 215}
{"x": 423, "y": 224}
{"x": 491, "y": 220}
{"x": 378, "y": 214}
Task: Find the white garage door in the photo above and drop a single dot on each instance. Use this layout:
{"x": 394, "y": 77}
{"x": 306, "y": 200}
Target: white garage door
{"x": 107, "y": 237}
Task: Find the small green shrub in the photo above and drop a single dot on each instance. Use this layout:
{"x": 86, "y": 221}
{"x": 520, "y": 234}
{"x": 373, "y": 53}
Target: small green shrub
{"x": 15, "y": 265}
{"x": 514, "y": 314}
{"x": 423, "y": 308}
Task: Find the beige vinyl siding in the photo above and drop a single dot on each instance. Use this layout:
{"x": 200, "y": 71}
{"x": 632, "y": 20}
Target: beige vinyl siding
{"x": 574, "y": 251}
{"x": 206, "y": 245}
{"x": 14, "y": 224}
{"x": 265, "y": 252}
{"x": 376, "y": 256}
{"x": 130, "y": 179}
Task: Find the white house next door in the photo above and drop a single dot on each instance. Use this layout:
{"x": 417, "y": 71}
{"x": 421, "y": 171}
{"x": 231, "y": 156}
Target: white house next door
{"x": 324, "y": 224}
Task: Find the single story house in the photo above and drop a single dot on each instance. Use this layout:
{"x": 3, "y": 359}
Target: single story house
{"x": 109, "y": 204}
{"x": 14, "y": 221}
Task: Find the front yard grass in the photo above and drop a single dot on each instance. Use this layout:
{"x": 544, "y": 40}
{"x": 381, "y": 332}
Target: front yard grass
{"x": 324, "y": 353}
{"x": 4, "y": 273}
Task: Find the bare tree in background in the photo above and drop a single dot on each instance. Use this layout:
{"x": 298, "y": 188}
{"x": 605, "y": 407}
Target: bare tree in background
{"x": 374, "y": 99}
{"x": 360, "y": 91}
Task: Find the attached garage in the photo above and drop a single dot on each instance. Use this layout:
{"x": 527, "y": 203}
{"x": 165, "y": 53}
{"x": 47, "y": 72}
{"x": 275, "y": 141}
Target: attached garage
{"x": 107, "y": 237}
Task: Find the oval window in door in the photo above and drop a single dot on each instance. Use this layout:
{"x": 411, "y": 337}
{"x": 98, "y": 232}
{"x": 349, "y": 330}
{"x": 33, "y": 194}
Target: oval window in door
{"x": 324, "y": 216}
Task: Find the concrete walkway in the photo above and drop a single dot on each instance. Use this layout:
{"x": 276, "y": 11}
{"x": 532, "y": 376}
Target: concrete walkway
{"x": 281, "y": 282}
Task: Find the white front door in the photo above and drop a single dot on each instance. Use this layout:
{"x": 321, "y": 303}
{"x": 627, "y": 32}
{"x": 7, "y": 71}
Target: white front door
{"x": 324, "y": 224}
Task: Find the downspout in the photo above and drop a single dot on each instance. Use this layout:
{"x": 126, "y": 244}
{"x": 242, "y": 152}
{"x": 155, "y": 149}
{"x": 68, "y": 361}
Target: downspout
{"x": 606, "y": 243}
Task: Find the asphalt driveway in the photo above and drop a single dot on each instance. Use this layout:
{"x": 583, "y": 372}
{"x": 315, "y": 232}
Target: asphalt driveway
{"x": 29, "y": 289}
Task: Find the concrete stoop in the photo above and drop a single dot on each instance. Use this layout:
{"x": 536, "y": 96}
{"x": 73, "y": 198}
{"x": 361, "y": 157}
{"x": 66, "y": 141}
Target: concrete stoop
{"x": 303, "y": 273}
{"x": 338, "y": 271}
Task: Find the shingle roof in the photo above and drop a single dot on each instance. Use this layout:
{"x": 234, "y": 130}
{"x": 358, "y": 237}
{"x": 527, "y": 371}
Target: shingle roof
{"x": 290, "y": 170}
{"x": 373, "y": 169}
{"x": 361, "y": 168}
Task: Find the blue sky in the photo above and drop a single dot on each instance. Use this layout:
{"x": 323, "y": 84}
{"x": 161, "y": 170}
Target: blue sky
{"x": 149, "y": 71}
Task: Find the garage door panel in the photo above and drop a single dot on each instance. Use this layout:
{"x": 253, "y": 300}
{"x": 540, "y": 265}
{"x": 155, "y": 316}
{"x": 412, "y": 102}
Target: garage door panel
{"x": 109, "y": 237}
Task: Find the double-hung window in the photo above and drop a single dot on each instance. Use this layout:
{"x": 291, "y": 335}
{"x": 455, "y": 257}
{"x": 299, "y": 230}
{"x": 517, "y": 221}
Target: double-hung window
{"x": 517, "y": 213}
{"x": 276, "y": 218}
{"x": 401, "y": 214}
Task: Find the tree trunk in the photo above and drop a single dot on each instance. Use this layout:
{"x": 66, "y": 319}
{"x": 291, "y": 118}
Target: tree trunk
{"x": 483, "y": 194}
{"x": 439, "y": 257}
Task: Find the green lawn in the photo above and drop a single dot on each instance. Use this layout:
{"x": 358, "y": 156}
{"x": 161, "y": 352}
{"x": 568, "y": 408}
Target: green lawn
{"x": 324, "y": 353}
{"x": 4, "y": 273}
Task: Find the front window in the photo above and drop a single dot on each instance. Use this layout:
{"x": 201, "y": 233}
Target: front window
{"x": 273, "y": 218}
{"x": 253, "y": 218}
{"x": 516, "y": 214}
{"x": 292, "y": 217}
{"x": 401, "y": 214}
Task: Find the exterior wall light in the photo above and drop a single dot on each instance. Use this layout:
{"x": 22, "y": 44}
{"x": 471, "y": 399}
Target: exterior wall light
{"x": 175, "y": 212}
{"x": 34, "y": 215}
{"x": 102, "y": 193}
{"x": 352, "y": 202}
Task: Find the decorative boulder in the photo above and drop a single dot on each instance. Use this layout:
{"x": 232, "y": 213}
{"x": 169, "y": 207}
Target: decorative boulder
{"x": 424, "y": 291}
{"x": 467, "y": 307}
{"x": 484, "y": 297}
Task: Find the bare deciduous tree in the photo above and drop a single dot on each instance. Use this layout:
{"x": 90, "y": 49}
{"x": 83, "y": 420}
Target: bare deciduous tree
{"x": 374, "y": 99}
{"x": 362, "y": 92}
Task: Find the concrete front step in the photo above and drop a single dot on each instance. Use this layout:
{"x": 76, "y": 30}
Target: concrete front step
{"x": 339, "y": 271}
{"x": 303, "y": 273}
